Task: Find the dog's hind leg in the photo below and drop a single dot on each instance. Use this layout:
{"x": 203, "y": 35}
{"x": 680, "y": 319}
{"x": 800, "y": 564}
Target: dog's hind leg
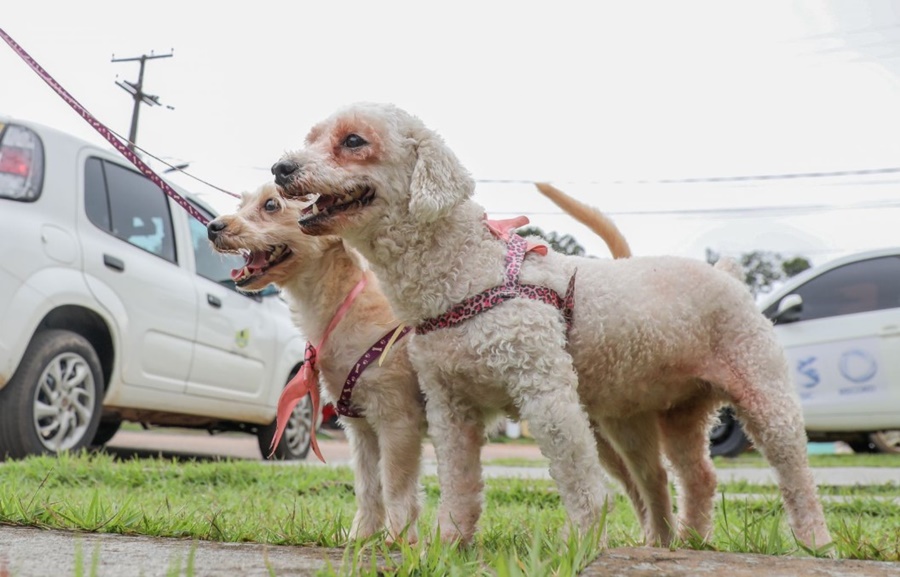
{"x": 401, "y": 455}
{"x": 685, "y": 437}
{"x": 612, "y": 462}
{"x": 775, "y": 425}
{"x": 758, "y": 381}
{"x": 369, "y": 518}
{"x": 636, "y": 438}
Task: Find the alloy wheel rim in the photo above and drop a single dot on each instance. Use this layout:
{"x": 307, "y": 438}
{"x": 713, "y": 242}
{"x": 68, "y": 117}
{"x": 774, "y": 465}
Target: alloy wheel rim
{"x": 64, "y": 402}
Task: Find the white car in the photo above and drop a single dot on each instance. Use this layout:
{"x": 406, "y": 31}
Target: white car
{"x": 114, "y": 307}
{"x": 839, "y": 324}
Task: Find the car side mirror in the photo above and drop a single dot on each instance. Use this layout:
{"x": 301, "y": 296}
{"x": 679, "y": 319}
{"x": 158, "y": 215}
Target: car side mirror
{"x": 269, "y": 291}
{"x": 789, "y": 309}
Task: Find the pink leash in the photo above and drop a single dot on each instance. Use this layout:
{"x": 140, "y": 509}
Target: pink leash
{"x": 307, "y": 380}
{"x": 104, "y": 131}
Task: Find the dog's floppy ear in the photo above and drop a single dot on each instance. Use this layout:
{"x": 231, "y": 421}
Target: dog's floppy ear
{"x": 439, "y": 181}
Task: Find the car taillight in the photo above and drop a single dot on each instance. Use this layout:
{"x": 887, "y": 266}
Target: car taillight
{"x": 21, "y": 163}
{"x": 15, "y": 161}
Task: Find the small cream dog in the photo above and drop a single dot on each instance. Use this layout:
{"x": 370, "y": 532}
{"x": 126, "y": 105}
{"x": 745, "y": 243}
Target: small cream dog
{"x": 316, "y": 274}
{"x": 649, "y": 351}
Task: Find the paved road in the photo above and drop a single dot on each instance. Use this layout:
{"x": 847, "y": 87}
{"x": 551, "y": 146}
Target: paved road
{"x": 337, "y": 452}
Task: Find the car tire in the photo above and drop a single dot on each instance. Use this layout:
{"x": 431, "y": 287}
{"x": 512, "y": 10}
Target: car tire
{"x": 886, "y": 441}
{"x": 52, "y": 403}
{"x": 105, "y": 432}
{"x": 863, "y": 445}
{"x": 297, "y": 437}
{"x": 727, "y": 437}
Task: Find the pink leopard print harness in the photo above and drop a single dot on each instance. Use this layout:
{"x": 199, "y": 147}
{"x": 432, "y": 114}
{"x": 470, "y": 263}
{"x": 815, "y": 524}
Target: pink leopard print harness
{"x": 512, "y": 288}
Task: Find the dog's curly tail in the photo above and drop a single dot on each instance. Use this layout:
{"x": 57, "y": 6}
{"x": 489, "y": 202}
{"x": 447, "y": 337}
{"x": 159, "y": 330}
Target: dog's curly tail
{"x": 591, "y": 217}
{"x": 730, "y": 266}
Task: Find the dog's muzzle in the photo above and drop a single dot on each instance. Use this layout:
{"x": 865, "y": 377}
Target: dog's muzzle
{"x": 283, "y": 170}
{"x": 214, "y": 228}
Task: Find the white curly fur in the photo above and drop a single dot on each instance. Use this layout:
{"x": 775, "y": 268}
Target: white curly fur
{"x": 659, "y": 343}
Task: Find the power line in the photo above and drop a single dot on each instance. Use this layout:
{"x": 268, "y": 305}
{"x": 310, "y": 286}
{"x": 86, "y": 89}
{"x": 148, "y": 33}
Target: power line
{"x": 716, "y": 179}
{"x": 740, "y": 212}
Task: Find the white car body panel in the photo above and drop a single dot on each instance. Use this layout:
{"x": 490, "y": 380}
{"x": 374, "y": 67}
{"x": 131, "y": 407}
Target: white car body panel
{"x": 846, "y": 368}
{"x": 174, "y": 353}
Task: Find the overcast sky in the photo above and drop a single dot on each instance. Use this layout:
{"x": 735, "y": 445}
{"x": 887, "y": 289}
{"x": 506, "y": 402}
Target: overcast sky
{"x": 602, "y": 99}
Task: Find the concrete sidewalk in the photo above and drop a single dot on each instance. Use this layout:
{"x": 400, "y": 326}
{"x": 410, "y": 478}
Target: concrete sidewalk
{"x": 28, "y": 552}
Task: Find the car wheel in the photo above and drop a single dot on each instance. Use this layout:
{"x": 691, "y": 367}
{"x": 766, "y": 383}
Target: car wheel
{"x": 863, "y": 445}
{"x": 886, "y": 441}
{"x": 52, "y": 403}
{"x": 105, "y": 432}
{"x": 727, "y": 438}
{"x": 297, "y": 437}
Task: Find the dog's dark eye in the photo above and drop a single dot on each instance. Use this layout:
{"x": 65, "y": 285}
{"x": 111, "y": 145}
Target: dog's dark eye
{"x": 354, "y": 141}
{"x": 271, "y": 205}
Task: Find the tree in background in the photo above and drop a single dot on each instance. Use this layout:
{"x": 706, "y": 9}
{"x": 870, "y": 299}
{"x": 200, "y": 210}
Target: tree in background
{"x": 762, "y": 269}
{"x": 565, "y": 244}
{"x": 796, "y": 265}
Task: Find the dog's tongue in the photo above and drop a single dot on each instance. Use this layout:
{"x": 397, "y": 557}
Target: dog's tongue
{"x": 255, "y": 261}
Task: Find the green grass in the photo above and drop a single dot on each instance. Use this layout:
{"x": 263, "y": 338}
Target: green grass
{"x": 521, "y": 531}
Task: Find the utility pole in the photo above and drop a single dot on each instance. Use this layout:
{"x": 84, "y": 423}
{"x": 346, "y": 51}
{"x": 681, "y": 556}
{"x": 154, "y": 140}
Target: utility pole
{"x": 137, "y": 91}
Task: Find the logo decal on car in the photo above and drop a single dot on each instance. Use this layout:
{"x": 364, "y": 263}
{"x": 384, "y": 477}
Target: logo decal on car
{"x": 805, "y": 368}
{"x": 857, "y": 366}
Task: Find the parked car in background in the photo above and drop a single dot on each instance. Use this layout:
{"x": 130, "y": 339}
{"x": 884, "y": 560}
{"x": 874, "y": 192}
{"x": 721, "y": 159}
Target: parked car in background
{"x": 839, "y": 324}
{"x": 114, "y": 307}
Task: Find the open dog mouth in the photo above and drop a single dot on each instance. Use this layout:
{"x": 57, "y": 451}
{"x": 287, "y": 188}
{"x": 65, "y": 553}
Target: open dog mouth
{"x": 327, "y": 205}
{"x": 258, "y": 262}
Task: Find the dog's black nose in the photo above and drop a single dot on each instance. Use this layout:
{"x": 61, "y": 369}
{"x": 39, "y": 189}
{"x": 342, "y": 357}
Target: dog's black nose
{"x": 284, "y": 169}
{"x": 214, "y": 228}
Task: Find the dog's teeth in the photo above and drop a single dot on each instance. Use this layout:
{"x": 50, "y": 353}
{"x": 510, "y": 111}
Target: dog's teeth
{"x": 315, "y": 210}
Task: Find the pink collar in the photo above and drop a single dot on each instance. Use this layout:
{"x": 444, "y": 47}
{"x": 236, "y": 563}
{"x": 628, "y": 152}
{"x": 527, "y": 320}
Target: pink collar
{"x": 306, "y": 381}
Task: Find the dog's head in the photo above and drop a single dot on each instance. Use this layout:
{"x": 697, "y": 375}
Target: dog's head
{"x": 369, "y": 160}
{"x": 264, "y": 231}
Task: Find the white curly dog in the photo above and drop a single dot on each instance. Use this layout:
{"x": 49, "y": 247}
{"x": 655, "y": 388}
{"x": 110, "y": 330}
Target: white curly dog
{"x": 655, "y": 346}
{"x": 316, "y": 273}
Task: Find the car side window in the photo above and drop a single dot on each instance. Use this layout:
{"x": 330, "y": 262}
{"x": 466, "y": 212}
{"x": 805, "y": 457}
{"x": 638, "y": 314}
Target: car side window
{"x": 859, "y": 287}
{"x": 210, "y": 264}
{"x": 129, "y": 206}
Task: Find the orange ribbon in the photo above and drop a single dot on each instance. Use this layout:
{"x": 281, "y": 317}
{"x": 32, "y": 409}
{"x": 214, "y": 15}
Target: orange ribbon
{"x": 306, "y": 381}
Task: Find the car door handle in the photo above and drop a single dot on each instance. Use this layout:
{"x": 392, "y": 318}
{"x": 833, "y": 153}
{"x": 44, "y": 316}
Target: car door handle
{"x": 214, "y": 301}
{"x": 114, "y": 263}
{"x": 889, "y": 331}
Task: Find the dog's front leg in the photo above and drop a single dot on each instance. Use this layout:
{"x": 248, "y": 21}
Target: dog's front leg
{"x": 401, "y": 456}
{"x": 550, "y": 403}
{"x": 457, "y": 431}
{"x": 369, "y": 518}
